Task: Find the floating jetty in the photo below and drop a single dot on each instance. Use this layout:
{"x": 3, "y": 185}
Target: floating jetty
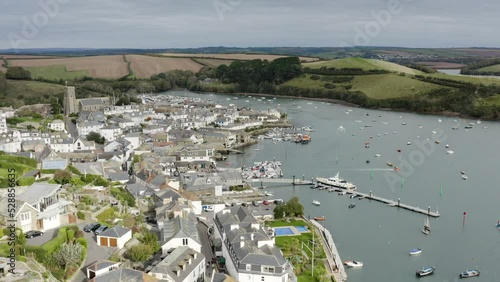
{"x": 392, "y": 203}
{"x": 292, "y": 181}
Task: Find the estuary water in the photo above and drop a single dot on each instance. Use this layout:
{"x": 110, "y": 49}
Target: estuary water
{"x": 379, "y": 235}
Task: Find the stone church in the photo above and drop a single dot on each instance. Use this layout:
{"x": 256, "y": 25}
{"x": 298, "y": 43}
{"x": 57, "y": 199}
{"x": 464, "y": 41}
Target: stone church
{"x": 73, "y": 105}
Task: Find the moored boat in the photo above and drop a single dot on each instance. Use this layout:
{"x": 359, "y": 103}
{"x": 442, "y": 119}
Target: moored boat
{"x": 469, "y": 273}
{"x": 427, "y": 227}
{"x": 352, "y": 205}
{"x": 464, "y": 177}
{"x": 353, "y": 263}
{"x": 336, "y": 181}
{"x": 319, "y": 218}
{"x": 425, "y": 271}
{"x": 416, "y": 251}
{"x": 316, "y": 203}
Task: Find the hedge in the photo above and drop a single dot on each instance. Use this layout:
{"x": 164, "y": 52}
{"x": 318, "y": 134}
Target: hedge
{"x": 52, "y": 245}
{"x": 71, "y": 235}
{"x": 26, "y": 181}
{"x": 80, "y": 215}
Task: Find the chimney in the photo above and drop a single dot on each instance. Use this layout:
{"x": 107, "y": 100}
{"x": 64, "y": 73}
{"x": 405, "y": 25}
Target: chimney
{"x": 252, "y": 236}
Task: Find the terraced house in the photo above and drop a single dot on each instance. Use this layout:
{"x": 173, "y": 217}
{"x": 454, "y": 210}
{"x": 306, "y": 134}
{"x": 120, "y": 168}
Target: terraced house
{"x": 249, "y": 249}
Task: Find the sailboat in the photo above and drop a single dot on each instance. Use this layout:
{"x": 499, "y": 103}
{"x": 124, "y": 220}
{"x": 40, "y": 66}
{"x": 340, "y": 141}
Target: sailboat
{"x": 427, "y": 227}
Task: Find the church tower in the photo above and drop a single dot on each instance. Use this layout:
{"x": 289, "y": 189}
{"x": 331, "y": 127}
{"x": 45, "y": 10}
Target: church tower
{"x": 69, "y": 100}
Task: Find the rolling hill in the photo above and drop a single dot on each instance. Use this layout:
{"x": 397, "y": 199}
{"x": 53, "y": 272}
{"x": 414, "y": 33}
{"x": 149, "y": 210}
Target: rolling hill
{"x": 360, "y": 63}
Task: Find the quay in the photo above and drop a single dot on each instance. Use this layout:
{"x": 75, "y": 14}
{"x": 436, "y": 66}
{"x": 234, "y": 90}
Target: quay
{"x": 336, "y": 267}
{"x": 291, "y": 181}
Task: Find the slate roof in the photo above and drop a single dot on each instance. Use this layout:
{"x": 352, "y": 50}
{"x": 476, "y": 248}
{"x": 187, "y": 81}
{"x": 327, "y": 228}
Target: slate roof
{"x": 102, "y": 264}
{"x": 115, "y": 232}
{"x": 172, "y": 264}
{"x": 180, "y": 227}
{"x": 37, "y": 191}
{"x": 250, "y": 232}
{"x": 124, "y": 275}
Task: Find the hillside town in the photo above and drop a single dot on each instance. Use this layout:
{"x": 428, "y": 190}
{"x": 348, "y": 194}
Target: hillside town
{"x": 140, "y": 188}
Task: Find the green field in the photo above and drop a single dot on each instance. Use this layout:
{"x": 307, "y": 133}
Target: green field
{"x": 55, "y": 73}
{"x": 384, "y": 86}
{"x": 493, "y": 100}
{"x": 212, "y": 62}
{"x": 494, "y": 68}
{"x": 305, "y": 81}
{"x": 471, "y": 79}
{"x": 360, "y": 63}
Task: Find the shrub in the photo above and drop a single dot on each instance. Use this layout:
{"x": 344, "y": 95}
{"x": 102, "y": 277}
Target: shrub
{"x": 52, "y": 245}
{"x": 82, "y": 241}
{"x": 26, "y": 181}
{"x": 80, "y": 215}
{"x": 106, "y": 215}
{"x": 74, "y": 170}
{"x": 62, "y": 176}
{"x": 139, "y": 252}
{"x": 79, "y": 234}
{"x": 71, "y": 235}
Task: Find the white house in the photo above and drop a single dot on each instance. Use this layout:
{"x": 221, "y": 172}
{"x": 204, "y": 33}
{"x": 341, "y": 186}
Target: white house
{"x": 114, "y": 237}
{"x": 249, "y": 248}
{"x": 110, "y": 132}
{"x": 3, "y": 122}
{"x": 180, "y": 231}
{"x": 49, "y": 207}
{"x": 101, "y": 267}
{"x": 181, "y": 265}
{"x": 85, "y": 127}
{"x": 81, "y": 144}
{"x": 190, "y": 154}
{"x": 57, "y": 125}
{"x": 62, "y": 145}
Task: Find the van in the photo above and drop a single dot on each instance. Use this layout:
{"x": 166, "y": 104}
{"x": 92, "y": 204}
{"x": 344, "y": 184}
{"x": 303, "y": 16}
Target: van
{"x": 255, "y": 203}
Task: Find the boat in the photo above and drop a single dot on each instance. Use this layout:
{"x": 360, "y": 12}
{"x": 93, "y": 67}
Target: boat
{"x": 447, "y": 146}
{"x": 437, "y": 142}
{"x": 391, "y": 204}
{"x": 316, "y": 203}
{"x": 416, "y": 251}
{"x": 450, "y": 152}
{"x": 464, "y": 177}
{"x": 427, "y": 227}
{"x": 342, "y": 193}
{"x": 336, "y": 181}
{"x": 352, "y": 205}
{"x": 353, "y": 263}
{"x": 319, "y": 218}
{"x": 425, "y": 271}
{"x": 498, "y": 224}
{"x": 455, "y": 128}
{"x": 267, "y": 194}
{"x": 462, "y": 172}
{"x": 408, "y": 143}
{"x": 469, "y": 273}
{"x": 389, "y": 164}
{"x": 377, "y": 155}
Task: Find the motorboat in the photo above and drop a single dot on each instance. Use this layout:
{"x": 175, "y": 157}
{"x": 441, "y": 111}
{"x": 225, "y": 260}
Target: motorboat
{"x": 319, "y": 218}
{"x": 377, "y": 155}
{"x": 464, "y": 177}
{"x": 267, "y": 194}
{"x": 389, "y": 164}
{"x": 469, "y": 273}
{"x": 462, "y": 172}
{"x": 450, "y": 152}
{"x": 316, "y": 203}
{"x": 353, "y": 263}
{"x": 352, "y": 205}
{"x": 342, "y": 193}
{"x": 408, "y": 143}
{"x": 498, "y": 224}
{"x": 427, "y": 227}
{"x": 447, "y": 146}
{"x": 416, "y": 251}
{"x": 425, "y": 271}
{"x": 336, "y": 181}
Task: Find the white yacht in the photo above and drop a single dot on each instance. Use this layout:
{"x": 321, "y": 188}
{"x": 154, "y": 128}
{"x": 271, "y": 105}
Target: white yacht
{"x": 336, "y": 181}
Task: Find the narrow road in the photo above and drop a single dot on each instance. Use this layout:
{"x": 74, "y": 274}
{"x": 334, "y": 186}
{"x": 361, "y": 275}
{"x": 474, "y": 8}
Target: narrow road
{"x": 206, "y": 249}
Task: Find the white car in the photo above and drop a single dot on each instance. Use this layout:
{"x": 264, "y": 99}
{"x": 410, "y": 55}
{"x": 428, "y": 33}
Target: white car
{"x": 209, "y": 209}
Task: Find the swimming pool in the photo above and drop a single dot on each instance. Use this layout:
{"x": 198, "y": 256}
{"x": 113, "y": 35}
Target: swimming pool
{"x": 301, "y": 229}
{"x": 282, "y": 231}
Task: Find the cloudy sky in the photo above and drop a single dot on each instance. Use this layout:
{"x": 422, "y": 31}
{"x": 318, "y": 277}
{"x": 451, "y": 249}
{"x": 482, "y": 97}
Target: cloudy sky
{"x": 248, "y": 23}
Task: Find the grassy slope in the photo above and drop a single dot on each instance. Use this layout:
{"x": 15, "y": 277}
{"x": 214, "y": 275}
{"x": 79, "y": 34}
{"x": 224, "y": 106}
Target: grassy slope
{"x": 383, "y": 86}
{"x": 493, "y": 100}
{"x": 495, "y": 68}
{"x": 28, "y": 88}
{"x": 471, "y": 79}
{"x": 305, "y": 82}
{"x": 365, "y": 64}
{"x": 55, "y": 72}
{"x": 212, "y": 62}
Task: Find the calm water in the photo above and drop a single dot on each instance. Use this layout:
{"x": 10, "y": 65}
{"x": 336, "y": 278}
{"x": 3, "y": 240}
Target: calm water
{"x": 375, "y": 233}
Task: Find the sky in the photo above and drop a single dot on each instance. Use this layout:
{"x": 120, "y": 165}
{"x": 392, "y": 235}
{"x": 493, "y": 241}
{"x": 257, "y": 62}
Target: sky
{"x": 248, "y": 23}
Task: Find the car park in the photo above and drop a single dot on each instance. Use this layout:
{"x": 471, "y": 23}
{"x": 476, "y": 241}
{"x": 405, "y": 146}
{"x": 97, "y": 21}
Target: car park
{"x": 91, "y": 227}
{"x": 33, "y": 233}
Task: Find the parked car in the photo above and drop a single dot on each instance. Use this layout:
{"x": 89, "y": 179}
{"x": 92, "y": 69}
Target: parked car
{"x": 91, "y": 227}
{"x": 265, "y": 202}
{"x": 33, "y": 233}
{"x": 255, "y": 203}
{"x": 101, "y": 229}
{"x": 244, "y": 204}
{"x": 114, "y": 202}
{"x": 209, "y": 209}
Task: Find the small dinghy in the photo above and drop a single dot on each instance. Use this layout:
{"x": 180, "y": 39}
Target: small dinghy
{"x": 352, "y": 205}
{"x": 469, "y": 273}
{"x": 425, "y": 271}
{"x": 414, "y": 252}
{"x": 353, "y": 263}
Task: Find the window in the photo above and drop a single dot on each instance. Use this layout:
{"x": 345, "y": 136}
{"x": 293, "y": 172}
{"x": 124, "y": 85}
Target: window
{"x": 268, "y": 269}
{"x": 262, "y": 278}
{"x": 25, "y": 216}
{"x": 248, "y": 267}
{"x": 184, "y": 242}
